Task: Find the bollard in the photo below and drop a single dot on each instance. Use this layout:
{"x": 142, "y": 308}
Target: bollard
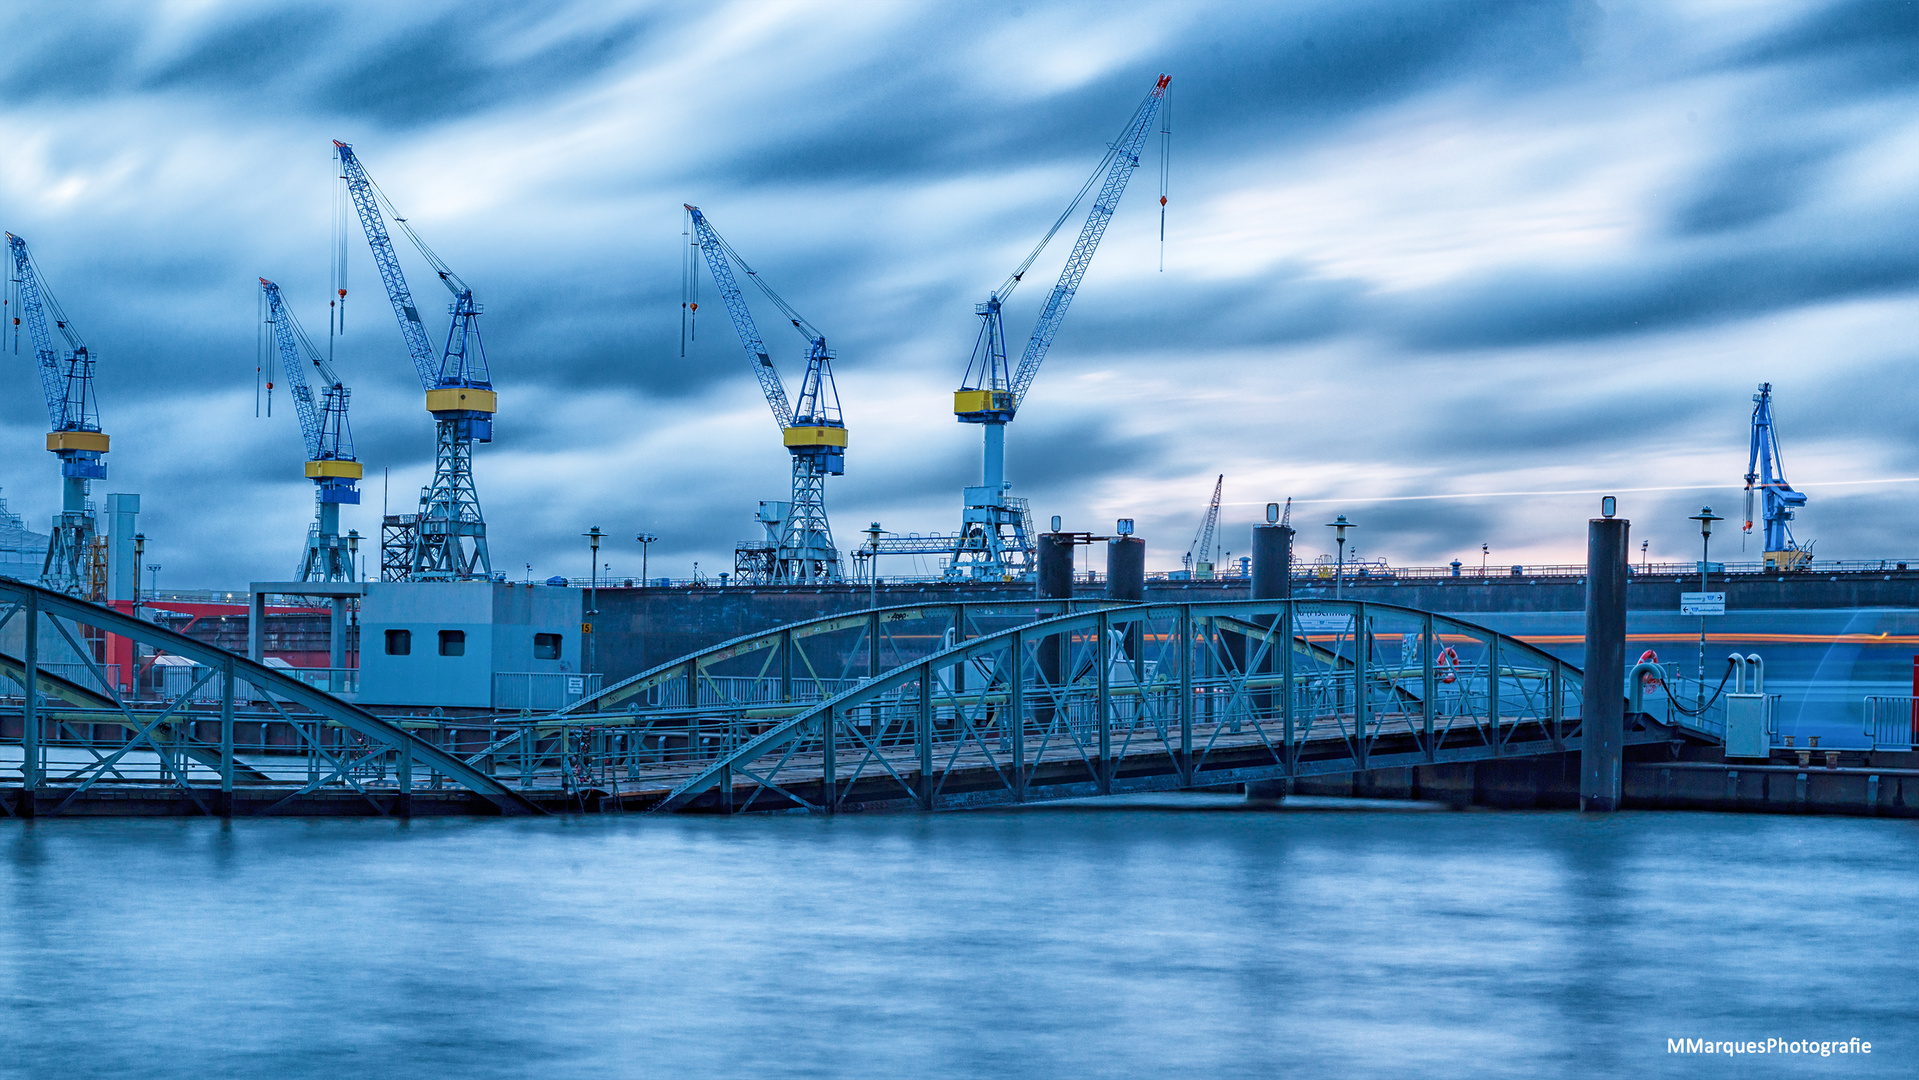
{"x": 1272, "y": 580}
{"x": 1055, "y": 583}
{"x": 1272, "y": 562}
{"x": 1126, "y": 569}
{"x": 1055, "y": 566}
{"x": 1602, "y": 706}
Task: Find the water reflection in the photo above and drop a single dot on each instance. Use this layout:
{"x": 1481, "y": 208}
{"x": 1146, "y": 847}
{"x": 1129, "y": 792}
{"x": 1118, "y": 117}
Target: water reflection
{"x": 1128, "y": 942}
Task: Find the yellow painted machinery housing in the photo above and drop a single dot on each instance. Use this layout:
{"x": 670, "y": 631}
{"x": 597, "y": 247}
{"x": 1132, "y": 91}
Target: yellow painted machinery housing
{"x": 77, "y": 440}
{"x": 461, "y": 398}
{"x": 317, "y": 470}
{"x": 982, "y": 401}
{"x": 816, "y": 436}
{"x": 1791, "y": 559}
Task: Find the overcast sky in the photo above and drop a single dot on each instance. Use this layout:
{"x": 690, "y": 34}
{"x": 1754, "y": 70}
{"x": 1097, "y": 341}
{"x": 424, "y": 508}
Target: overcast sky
{"x": 1412, "y": 250}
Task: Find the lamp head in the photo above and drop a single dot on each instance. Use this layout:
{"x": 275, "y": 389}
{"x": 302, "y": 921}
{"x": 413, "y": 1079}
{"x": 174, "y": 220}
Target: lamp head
{"x": 593, "y": 537}
{"x": 1705, "y": 517}
{"x": 1340, "y": 525}
{"x": 353, "y": 541}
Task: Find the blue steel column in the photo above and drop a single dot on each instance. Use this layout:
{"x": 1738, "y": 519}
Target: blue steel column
{"x": 30, "y": 708}
{"x": 924, "y": 736}
{"x": 1602, "y": 715}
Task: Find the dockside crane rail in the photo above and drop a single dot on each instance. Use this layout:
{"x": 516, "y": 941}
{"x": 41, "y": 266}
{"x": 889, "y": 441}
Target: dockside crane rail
{"x": 1766, "y": 473}
{"x": 330, "y": 464}
{"x": 799, "y": 546}
{"x": 73, "y": 414}
{"x": 1200, "y": 555}
{"x": 994, "y": 541}
{"x": 446, "y": 541}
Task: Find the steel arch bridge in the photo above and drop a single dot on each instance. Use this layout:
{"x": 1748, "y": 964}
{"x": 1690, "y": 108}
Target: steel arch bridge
{"x": 86, "y": 741}
{"x": 1063, "y": 702}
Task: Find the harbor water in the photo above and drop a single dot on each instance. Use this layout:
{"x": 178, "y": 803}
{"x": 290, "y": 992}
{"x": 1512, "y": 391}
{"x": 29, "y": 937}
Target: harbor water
{"x": 1165, "y": 937}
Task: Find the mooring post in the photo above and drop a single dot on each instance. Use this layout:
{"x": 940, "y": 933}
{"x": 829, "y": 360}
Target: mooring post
{"x": 1602, "y": 712}
{"x": 1126, "y": 581}
{"x": 1273, "y": 580}
{"x": 1055, "y": 583}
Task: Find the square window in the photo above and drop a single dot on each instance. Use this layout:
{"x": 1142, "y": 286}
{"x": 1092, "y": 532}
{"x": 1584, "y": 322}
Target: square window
{"x": 452, "y": 643}
{"x": 546, "y": 646}
{"x": 399, "y": 642}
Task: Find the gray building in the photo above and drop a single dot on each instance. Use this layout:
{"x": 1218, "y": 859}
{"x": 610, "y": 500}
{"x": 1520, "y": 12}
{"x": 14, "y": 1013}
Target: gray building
{"x": 475, "y": 645}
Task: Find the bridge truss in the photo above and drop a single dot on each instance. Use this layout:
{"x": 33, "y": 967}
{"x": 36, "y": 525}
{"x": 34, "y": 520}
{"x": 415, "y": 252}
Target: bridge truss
{"x": 88, "y": 739}
{"x": 897, "y": 711}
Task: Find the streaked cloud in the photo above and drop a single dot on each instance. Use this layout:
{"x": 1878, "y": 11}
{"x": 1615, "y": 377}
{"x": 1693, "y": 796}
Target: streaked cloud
{"x": 1412, "y": 249}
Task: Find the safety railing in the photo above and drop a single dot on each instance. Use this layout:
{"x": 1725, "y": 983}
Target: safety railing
{"x": 542, "y": 691}
{"x": 1892, "y": 721}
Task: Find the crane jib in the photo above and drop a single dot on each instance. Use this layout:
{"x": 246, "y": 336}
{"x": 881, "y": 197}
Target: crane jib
{"x": 1053, "y": 312}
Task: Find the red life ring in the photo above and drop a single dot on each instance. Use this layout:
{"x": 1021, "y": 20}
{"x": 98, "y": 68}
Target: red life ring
{"x": 1649, "y": 680}
{"x": 1448, "y": 664}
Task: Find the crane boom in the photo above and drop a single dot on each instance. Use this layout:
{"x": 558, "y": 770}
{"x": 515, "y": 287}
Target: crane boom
{"x": 1123, "y": 158}
{"x": 66, "y": 384}
{"x": 716, "y": 251}
{"x": 323, "y": 427}
{"x": 373, "y": 222}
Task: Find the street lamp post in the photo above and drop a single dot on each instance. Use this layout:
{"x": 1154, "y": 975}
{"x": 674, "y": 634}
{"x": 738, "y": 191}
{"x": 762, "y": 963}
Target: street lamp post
{"x": 646, "y": 541}
{"x": 1705, "y": 517}
{"x": 153, "y": 578}
{"x": 592, "y": 593}
{"x": 1339, "y": 526}
{"x": 139, "y": 553}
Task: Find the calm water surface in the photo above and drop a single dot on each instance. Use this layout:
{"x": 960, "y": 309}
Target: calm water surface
{"x": 1048, "y": 943}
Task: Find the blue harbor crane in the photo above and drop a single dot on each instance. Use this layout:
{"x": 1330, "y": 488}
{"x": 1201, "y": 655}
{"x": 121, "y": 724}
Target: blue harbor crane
{"x": 331, "y": 465}
{"x": 995, "y": 541}
{"x": 1766, "y": 472}
{"x": 446, "y": 540}
{"x": 66, "y": 379}
{"x": 798, "y": 549}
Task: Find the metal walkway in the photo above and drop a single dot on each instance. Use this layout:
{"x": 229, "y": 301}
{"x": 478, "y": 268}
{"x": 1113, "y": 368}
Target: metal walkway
{"x": 1118, "y": 698}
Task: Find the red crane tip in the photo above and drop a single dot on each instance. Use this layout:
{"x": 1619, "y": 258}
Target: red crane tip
{"x": 339, "y": 144}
